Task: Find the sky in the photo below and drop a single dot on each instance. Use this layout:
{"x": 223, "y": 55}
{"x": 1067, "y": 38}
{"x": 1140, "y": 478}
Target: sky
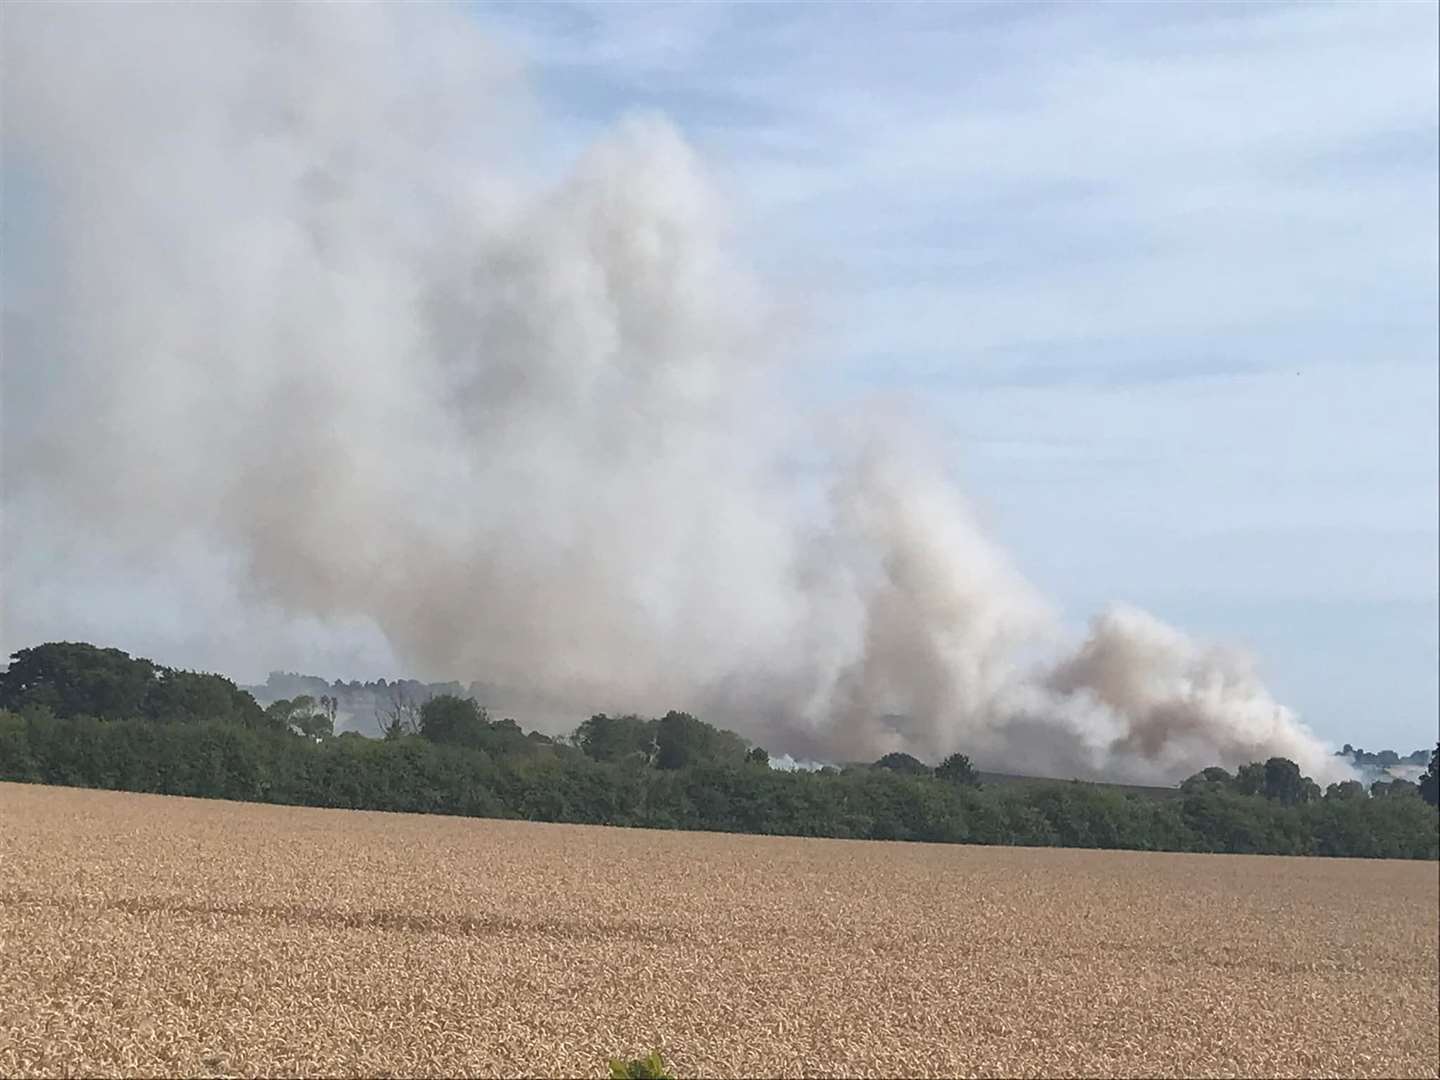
{"x": 1165, "y": 276}
{"x": 1161, "y": 278}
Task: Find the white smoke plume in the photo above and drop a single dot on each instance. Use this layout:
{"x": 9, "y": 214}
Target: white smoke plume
{"x": 306, "y": 323}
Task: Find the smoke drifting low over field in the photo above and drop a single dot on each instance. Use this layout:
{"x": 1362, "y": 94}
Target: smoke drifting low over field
{"x": 306, "y": 311}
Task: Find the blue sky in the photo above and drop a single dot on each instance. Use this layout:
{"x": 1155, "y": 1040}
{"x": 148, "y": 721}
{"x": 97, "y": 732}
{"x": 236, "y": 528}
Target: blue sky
{"x": 1163, "y": 276}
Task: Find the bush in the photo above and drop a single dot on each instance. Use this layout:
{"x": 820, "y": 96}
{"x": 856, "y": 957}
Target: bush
{"x": 650, "y": 1067}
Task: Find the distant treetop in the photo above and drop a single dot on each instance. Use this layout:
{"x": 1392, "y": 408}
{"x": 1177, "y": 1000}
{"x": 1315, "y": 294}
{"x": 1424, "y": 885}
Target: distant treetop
{"x": 74, "y": 678}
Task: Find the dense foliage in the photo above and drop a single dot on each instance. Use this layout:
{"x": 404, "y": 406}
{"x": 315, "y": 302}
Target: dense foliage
{"x": 75, "y": 679}
{"x": 1429, "y": 787}
{"x": 650, "y": 1067}
{"x": 66, "y": 722}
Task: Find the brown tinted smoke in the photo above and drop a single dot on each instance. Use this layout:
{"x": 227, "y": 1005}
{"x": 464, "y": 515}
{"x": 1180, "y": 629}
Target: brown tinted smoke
{"x": 308, "y": 317}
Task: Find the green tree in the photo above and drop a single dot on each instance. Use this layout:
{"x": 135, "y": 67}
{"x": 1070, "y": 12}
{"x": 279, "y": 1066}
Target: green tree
{"x": 1250, "y": 779}
{"x": 758, "y": 756}
{"x": 1284, "y": 784}
{"x": 958, "y": 770}
{"x": 1398, "y": 787}
{"x": 616, "y": 738}
{"x": 77, "y": 679}
{"x": 903, "y": 763}
{"x": 682, "y": 741}
{"x": 1345, "y": 790}
{"x": 304, "y": 714}
{"x": 279, "y": 712}
{"x": 1205, "y": 779}
{"x": 504, "y": 738}
{"x": 191, "y": 696}
{"x": 454, "y": 721}
{"x": 313, "y": 719}
{"x": 1430, "y": 779}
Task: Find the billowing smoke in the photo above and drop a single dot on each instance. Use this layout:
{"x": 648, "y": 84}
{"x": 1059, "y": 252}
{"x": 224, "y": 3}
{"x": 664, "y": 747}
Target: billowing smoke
{"x": 304, "y": 318}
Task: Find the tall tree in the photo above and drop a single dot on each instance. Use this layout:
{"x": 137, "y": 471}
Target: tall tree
{"x": 454, "y": 721}
{"x": 616, "y": 738}
{"x": 957, "y": 769}
{"x": 78, "y": 679}
{"x": 1345, "y": 790}
{"x": 190, "y": 696}
{"x": 1284, "y": 783}
{"x": 681, "y": 741}
{"x": 1430, "y": 779}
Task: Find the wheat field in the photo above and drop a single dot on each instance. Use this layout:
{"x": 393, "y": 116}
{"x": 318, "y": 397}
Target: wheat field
{"x": 148, "y": 935}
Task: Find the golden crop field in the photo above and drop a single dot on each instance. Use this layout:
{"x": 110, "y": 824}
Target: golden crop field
{"x": 150, "y": 935}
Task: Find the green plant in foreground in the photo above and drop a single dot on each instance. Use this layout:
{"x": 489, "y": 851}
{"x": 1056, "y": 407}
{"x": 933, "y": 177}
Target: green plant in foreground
{"x": 650, "y": 1067}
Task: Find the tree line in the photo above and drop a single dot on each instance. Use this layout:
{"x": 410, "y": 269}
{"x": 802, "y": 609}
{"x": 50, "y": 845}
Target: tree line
{"x": 77, "y": 715}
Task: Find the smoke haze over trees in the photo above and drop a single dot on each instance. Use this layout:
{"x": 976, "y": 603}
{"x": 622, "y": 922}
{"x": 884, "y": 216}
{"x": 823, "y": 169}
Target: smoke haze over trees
{"x": 351, "y": 365}
{"x": 677, "y": 771}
